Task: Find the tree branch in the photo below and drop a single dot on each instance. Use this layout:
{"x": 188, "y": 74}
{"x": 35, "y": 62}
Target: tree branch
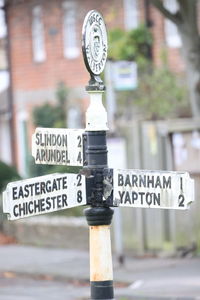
{"x": 159, "y": 5}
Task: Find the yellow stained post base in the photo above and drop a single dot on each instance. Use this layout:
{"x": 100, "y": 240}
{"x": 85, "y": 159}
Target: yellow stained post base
{"x": 100, "y": 253}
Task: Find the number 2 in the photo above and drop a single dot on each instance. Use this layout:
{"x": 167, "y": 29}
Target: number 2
{"x": 78, "y": 177}
{"x": 181, "y": 200}
{"x": 79, "y": 141}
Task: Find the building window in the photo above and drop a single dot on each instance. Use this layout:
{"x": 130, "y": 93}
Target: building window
{"x": 71, "y": 49}
{"x": 131, "y": 17}
{"x": 172, "y": 36}
{"x": 22, "y": 137}
{"x": 3, "y": 30}
{"x": 38, "y": 41}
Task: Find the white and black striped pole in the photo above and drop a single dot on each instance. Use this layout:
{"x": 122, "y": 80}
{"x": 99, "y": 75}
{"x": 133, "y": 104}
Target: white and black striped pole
{"x": 99, "y": 215}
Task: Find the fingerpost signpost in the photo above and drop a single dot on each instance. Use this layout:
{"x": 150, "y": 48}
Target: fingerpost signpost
{"x": 96, "y": 185}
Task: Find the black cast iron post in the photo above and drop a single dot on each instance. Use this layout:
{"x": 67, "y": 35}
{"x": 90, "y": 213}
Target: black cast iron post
{"x": 99, "y": 215}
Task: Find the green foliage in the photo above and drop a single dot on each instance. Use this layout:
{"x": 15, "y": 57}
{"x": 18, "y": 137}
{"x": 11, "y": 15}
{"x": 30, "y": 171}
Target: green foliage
{"x": 7, "y": 174}
{"x": 48, "y": 115}
{"x": 61, "y": 94}
{"x": 160, "y": 93}
{"x": 130, "y": 45}
{"x": 40, "y": 170}
{"x": 45, "y": 115}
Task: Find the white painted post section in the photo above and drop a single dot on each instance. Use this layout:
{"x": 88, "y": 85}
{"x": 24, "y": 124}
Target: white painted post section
{"x": 101, "y": 268}
{"x": 96, "y": 115}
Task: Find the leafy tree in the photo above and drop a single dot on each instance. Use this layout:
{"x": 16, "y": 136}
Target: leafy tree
{"x": 7, "y": 174}
{"x": 130, "y": 45}
{"x": 45, "y": 115}
{"x": 186, "y": 20}
{"x": 48, "y": 115}
{"x": 152, "y": 95}
{"x": 160, "y": 94}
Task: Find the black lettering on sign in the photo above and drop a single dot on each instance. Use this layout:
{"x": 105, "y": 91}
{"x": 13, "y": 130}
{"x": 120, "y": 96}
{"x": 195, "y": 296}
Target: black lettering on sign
{"x": 42, "y": 205}
{"x": 134, "y": 197}
{"x": 120, "y": 180}
{"x": 167, "y": 182}
{"x": 48, "y": 186}
{"x": 134, "y": 180}
{"x": 79, "y": 196}
{"x": 14, "y": 192}
{"x": 64, "y": 186}
{"x": 121, "y": 195}
{"x": 181, "y": 199}
{"x": 48, "y": 203}
{"x": 149, "y": 198}
{"x": 79, "y": 141}
{"x": 37, "y": 138}
{"x": 127, "y": 198}
{"x": 64, "y": 200}
{"x": 156, "y": 199}
{"x": 158, "y": 183}
{"x": 150, "y": 181}
{"x": 127, "y": 181}
{"x": 31, "y": 185}
{"x": 181, "y": 183}
{"x": 26, "y": 189}
{"x": 21, "y": 195}
{"x": 54, "y": 186}
{"x": 59, "y": 204}
{"x": 78, "y": 177}
{"x": 79, "y": 158}
{"x": 14, "y": 211}
{"x": 29, "y": 207}
{"x": 42, "y": 155}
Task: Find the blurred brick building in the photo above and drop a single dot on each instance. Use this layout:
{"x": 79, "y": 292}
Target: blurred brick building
{"x": 44, "y": 48}
{"x": 5, "y": 115}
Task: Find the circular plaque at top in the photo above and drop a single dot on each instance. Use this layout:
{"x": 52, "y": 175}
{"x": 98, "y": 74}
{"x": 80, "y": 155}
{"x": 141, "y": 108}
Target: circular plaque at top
{"x": 94, "y": 42}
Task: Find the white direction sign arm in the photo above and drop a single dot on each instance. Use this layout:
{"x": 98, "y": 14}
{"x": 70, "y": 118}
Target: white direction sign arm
{"x": 152, "y": 189}
{"x": 56, "y": 146}
{"x": 43, "y": 194}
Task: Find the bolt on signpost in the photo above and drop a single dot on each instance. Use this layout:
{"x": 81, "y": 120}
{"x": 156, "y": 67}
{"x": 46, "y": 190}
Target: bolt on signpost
{"x": 96, "y": 185}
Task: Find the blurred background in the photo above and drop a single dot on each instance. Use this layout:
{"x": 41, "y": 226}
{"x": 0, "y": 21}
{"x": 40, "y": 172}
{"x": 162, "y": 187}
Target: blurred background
{"x": 152, "y": 77}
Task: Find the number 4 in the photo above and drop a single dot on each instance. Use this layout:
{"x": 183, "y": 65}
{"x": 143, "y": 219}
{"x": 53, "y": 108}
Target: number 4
{"x": 79, "y": 158}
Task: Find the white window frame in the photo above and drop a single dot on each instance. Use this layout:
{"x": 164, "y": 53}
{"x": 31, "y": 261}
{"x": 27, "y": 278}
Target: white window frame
{"x": 131, "y": 14}
{"x": 38, "y": 36}
{"x": 172, "y": 35}
{"x": 3, "y": 28}
{"x": 71, "y": 49}
{"x": 22, "y": 118}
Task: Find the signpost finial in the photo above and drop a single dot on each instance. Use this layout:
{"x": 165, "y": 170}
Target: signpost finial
{"x": 94, "y": 48}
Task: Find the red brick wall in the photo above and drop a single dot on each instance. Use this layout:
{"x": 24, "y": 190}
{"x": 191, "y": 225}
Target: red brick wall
{"x": 28, "y": 75}
{"x": 160, "y": 48}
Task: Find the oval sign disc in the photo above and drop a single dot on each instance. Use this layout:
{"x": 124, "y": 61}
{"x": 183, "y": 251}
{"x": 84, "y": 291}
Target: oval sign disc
{"x": 94, "y": 42}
